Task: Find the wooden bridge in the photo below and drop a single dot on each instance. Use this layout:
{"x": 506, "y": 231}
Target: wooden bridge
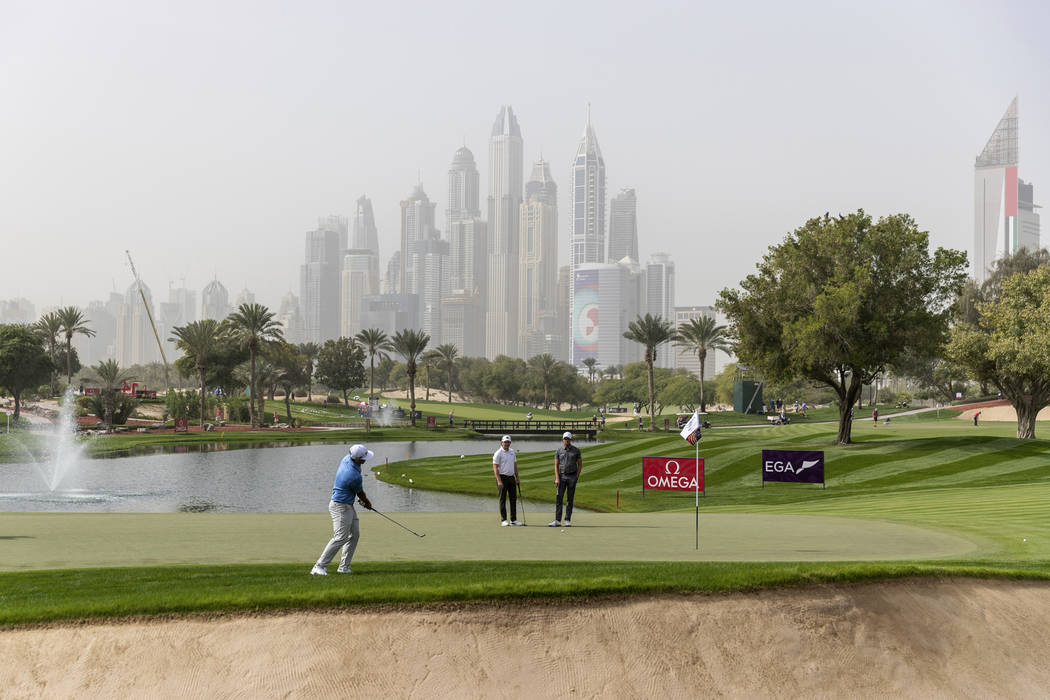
{"x": 578, "y": 428}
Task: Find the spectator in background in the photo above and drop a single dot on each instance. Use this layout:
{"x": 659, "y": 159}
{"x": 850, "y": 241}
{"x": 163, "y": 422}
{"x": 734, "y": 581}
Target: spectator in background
{"x": 975, "y": 415}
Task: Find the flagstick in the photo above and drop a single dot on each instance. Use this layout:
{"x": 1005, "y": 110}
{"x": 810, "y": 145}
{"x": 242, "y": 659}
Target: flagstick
{"x": 697, "y": 494}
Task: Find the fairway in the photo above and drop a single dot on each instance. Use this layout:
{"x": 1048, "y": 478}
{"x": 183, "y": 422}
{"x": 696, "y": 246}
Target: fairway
{"x": 52, "y": 541}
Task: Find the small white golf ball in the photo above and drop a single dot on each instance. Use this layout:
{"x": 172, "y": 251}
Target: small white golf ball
{"x": 402, "y": 476}
{"x": 1025, "y": 539}
{"x": 563, "y": 530}
{"x": 462, "y": 456}
{"x": 411, "y": 482}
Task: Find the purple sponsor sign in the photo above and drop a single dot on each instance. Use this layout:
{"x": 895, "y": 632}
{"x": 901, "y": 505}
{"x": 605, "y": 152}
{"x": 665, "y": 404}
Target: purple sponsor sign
{"x": 793, "y": 466}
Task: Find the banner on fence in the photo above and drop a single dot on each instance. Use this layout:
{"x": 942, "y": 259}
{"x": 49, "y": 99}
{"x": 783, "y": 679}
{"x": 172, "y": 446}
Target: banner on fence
{"x": 793, "y": 466}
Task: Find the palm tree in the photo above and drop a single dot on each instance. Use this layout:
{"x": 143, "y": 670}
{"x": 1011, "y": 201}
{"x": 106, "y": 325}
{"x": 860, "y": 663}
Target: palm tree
{"x": 650, "y": 331}
{"x": 251, "y": 326}
{"x": 49, "y": 327}
{"x": 546, "y": 367}
{"x": 702, "y": 335}
{"x": 410, "y": 345}
{"x": 110, "y": 376}
{"x": 198, "y": 340}
{"x": 429, "y": 359}
{"x": 590, "y": 364}
{"x": 73, "y": 321}
{"x": 376, "y": 343}
{"x": 446, "y": 359}
{"x": 309, "y": 352}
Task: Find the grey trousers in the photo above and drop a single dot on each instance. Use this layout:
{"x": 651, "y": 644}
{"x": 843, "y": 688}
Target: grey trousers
{"x": 346, "y": 532}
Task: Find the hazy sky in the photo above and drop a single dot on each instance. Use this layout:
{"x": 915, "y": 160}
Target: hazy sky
{"x": 209, "y": 137}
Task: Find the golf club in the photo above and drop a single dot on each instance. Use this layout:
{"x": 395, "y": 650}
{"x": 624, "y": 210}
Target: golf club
{"x": 397, "y": 523}
{"x": 521, "y": 499}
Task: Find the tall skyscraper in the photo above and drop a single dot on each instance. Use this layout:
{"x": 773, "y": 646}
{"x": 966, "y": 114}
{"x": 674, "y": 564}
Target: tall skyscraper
{"x": 587, "y": 218}
{"x": 245, "y": 296}
{"x": 319, "y": 285}
{"x": 18, "y": 310}
{"x": 538, "y": 276}
{"x": 291, "y": 319}
{"x": 463, "y": 188}
{"x": 506, "y": 170}
{"x": 340, "y": 226}
{"x": 424, "y": 261}
{"x": 366, "y": 237}
{"x": 101, "y": 317}
{"x": 215, "y": 301}
{"x": 623, "y": 226}
{"x": 1004, "y": 221}
{"x": 136, "y": 343}
{"x": 659, "y": 295}
{"x": 356, "y": 284}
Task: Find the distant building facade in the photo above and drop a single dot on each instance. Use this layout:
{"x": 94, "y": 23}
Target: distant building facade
{"x": 215, "y": 301}
{"x": 659, "y": 296}
{"x": 538, "y": 277}
{"x": 686, "y": 359}
{"x": 606, "y": 299}
{"x": 319, "y": 285}
{"x": 587, "y": 217}
{"x": 623, "y": 226}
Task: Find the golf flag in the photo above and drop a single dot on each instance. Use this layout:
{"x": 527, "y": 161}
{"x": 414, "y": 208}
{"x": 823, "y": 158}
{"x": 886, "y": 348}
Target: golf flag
{"x": 691, "y": 431}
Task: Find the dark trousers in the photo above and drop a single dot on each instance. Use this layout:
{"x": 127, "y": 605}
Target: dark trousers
{"x": 510, "y": 487}
{"x": 566, "y": 487}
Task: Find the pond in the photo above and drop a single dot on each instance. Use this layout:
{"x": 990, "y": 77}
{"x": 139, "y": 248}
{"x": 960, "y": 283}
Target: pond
{"x": 202, "y": 478}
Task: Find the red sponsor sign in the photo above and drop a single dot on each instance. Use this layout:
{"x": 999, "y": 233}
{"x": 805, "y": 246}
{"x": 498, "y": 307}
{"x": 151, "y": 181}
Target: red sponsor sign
{"x": 672, "y": 474}
{"x": 91, "y": 390}
{"x": 182, "y": 425}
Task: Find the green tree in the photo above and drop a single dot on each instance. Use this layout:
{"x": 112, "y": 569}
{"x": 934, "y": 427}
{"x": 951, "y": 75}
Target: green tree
{"x": 70, "y": 360}
{"x": 428, "y": 359}
{"x": 545, "y": 368}
{"x": 410, "y": 345}
{"x": 446, "y": 356}
{"x": 251, "y": 327}
{"x": 841, "y": 299}
{"x": 199, "y": 340}
{"x": 110, "y": 377}
{"x": 23, "y": 362}
{"x": 651, "y": 332}
{"x": 72, "y": 321}
{"x": 294, "y": 369}
{"x": 1009, "y": 345}
{"x": 376, "y": 344}
{"x": 590, "y": 363}
{"x": 702, "y": 335}
{"x": 50, "y": 328}
{"x": 309, "y": 354}
{"x": 724, "y": 381}
{"x": 341, "y": 365}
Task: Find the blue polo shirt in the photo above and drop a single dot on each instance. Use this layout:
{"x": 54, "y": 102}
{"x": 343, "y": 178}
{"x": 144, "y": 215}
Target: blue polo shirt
{"x": 347, "y": 482}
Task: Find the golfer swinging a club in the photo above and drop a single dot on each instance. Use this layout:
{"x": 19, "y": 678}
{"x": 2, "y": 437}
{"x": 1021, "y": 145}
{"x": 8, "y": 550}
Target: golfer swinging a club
{"x": 346, "y": 531}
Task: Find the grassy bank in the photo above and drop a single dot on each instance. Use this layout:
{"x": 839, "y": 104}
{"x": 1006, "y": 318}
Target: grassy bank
{"x": 50, "y": 596}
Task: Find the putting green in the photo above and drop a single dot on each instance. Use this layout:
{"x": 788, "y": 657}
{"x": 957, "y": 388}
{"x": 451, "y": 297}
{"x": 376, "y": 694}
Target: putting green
{"x": 60, "y": 540}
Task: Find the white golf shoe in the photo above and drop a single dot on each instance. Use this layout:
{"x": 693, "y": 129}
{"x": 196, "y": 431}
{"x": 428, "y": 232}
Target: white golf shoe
{"x": 504, "y": 524}
{"x": 341, "y": 570}
{"x": 554, "y": 523}
{"x": 318, "y": 571}
{"x": 515, "y": 523}
{"x": 567, "y": 524}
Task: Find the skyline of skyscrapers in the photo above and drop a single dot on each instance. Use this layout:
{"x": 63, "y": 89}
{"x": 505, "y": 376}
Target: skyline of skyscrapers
{"x": 587, "y": 215}
{"x": 538, "y": 266}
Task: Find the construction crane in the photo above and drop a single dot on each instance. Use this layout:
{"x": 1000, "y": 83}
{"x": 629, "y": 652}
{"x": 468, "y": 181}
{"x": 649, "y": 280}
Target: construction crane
{"x": 149, "y": 314}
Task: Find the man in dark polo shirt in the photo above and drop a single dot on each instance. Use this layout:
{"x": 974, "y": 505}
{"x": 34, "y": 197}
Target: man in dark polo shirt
{"x": 568, "y": 465}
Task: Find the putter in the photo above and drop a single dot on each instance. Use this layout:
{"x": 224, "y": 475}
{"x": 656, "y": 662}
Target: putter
{"x": 398, "y": 524}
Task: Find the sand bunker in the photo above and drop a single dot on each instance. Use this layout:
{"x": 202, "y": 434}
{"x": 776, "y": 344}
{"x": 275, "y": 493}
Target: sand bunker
{"x": 1000, "y": 413}
{"x": 916, "y": 639}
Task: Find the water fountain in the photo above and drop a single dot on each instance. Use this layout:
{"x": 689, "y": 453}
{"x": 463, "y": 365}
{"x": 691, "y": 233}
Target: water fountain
{"x": 62, "y": 450}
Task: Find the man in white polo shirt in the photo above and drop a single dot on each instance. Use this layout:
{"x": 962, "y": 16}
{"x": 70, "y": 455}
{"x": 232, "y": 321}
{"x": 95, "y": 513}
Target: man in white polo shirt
{"x": 505, "y": 466}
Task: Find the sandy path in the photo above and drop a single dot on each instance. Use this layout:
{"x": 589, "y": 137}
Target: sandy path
{"x": 915, "y": 639}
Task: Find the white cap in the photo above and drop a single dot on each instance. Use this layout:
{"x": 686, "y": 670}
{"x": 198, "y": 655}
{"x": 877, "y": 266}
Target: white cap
{"x": 361, "y": 452}
{"x": 566, "y": 435}
{"x": 506, "y": 438}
